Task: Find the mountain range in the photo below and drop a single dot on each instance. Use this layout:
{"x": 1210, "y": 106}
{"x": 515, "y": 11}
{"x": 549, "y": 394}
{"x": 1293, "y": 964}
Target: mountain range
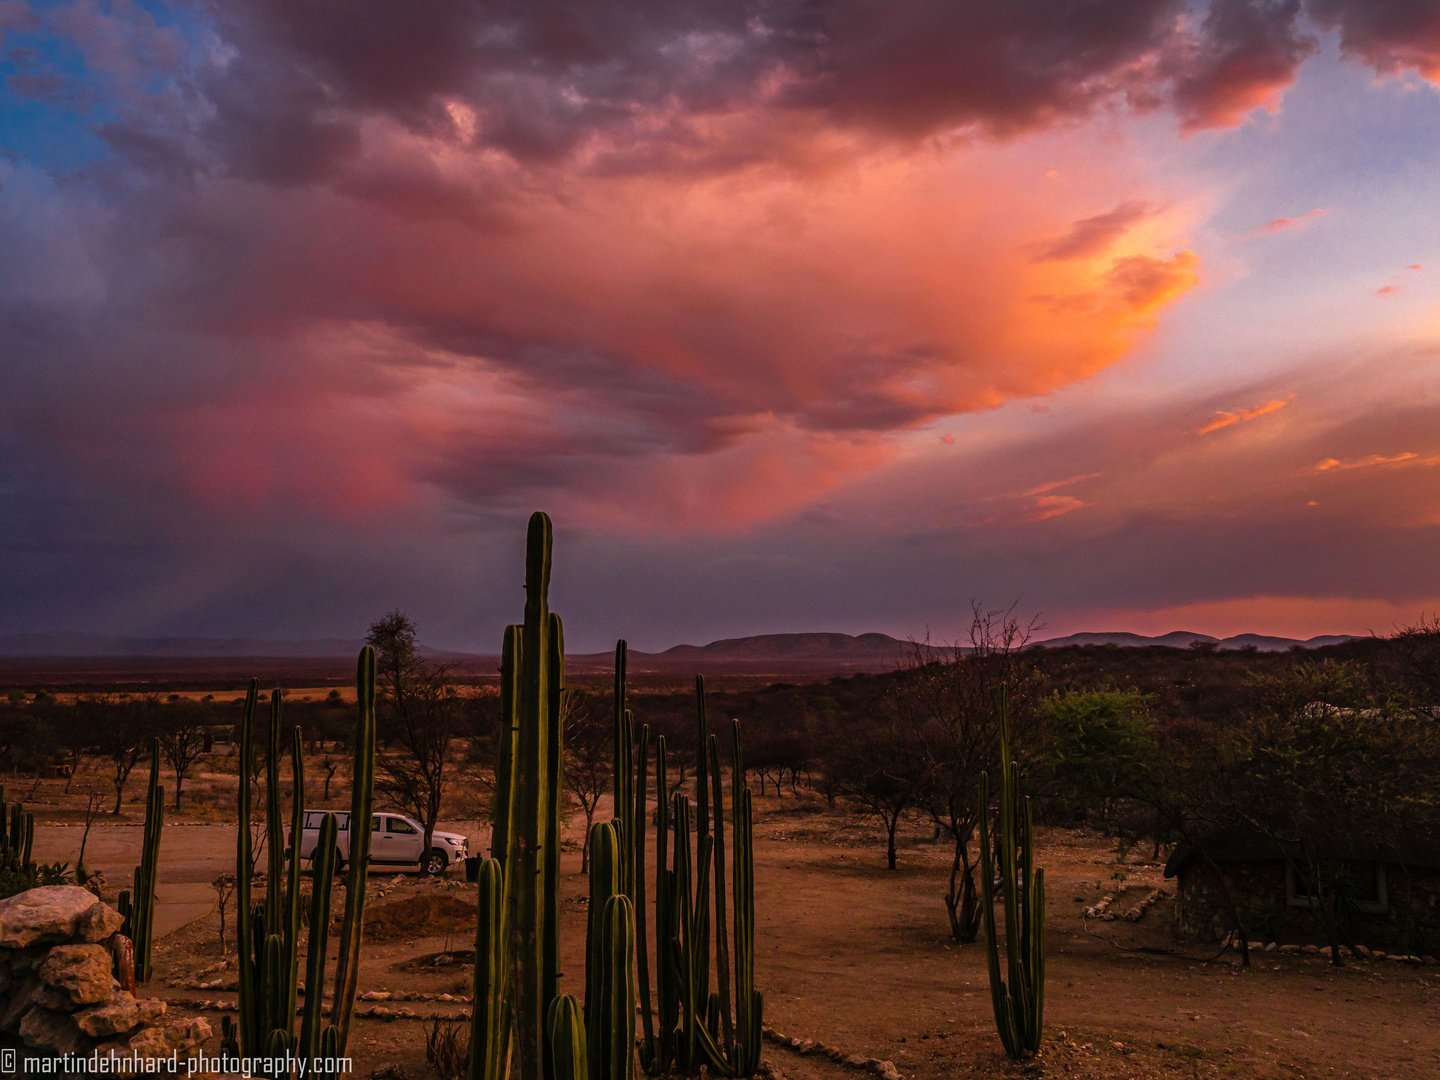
{"x": 842, "y": 650}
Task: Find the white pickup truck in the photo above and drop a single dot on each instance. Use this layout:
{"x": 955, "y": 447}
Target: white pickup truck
{"x": 395, "y": 840}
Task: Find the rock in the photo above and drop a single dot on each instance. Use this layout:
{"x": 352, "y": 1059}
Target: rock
{"x": 21, "y": 997}
{"x": 178, "y": 1035}
{"x": 887, "y": 1066}
{"x": 82, "y": 970}
{"x": 27, "y": 959}
{"x": 120, "y": 1014}
{"x": 855, "y": 1061}
{"x": 834, "y": 1054}
{"x": 806, "y": 1046}
{"x": 99, "y": 922}
{"x": 48, "y": 997}
{"x": 51, "y": 913}
{"x": 1289, "y": 948}
{"x": 1272, "y": 947}
{"x": 795, "y": 1044}
{"x": 4, "y": 978}
{"x": 375, "y": 995}
{"x": 49, "y": 1030}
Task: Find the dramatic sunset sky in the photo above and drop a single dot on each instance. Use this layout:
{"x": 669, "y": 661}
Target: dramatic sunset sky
{"x": 793, "y": 315}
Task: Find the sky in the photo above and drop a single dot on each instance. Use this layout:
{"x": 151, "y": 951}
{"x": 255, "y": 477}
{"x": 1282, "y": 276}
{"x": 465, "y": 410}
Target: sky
{"x": 793, "y": 316}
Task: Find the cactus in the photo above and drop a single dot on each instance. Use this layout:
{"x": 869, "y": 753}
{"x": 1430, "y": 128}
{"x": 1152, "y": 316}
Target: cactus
{"x": 566, "y": 1029}
{"x": 1019, "y": 1005}
{"x": 610, "y": 1026}
{"x": 536, "y": 673}
{"x": 609, "y": 961}
{"x": 142, "y": 918}
{"x": 15, "y": 842}
{"x": 269, "y": 937}
{"x": 362, "y": 792}
{"x": 519, "y": 1020}
{"x": 749, "y": 1002}
{"x": 667, "y": 991}
{"x": 490, "y": 1014}
{"x": 322, "y": 865}
{"x": 249, "y": 1014}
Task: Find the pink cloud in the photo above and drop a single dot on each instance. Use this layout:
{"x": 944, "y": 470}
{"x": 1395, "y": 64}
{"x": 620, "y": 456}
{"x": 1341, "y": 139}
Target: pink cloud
{"x": 1282, "y": 224}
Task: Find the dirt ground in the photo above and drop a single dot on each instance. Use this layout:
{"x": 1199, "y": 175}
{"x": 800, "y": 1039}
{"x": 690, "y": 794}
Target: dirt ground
{"x": 860, "y": 958}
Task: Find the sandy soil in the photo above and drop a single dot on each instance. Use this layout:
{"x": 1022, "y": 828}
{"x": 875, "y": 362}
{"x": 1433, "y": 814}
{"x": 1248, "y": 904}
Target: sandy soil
{"x": 859, "y": 957}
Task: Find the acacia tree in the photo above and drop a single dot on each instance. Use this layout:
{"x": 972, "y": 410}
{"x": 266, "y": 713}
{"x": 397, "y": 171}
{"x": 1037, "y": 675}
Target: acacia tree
{"x": 419, "y": 712}
{"x": 120, "y": 727}
{"x": 589, "y": 759}
{"x": 880, "y": 765}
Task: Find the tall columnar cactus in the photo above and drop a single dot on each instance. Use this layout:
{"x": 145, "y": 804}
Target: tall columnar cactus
{"x": 490, "y": 1012}
{"x": 520, "y": 1023}
{"x": 749, "y": 1002}
{"x": 609, "y": 961}
{"x": 269, "y": 937}
{"x": 1019, "y": 1004}
{"x": 362, "y": 795}
{"x": 142, "y": 901}
{"x": 565, "y": 1027}
{"x": 659, "y": 1057}
{"x": 322, "y": 865}
{"x": 17, "y": 838}
{"x": 249, "y": 1013}
{"x": 536, "y": 673}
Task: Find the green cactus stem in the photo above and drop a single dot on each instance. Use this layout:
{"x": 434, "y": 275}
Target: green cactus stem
{"x": 490, "y": 1013}
{"x": 362, "y": 792}
{"x": 143, "y": 897}
{"x": 1019, "y": 1005}
{"x": 566, "y": 1029}
{"x": 244, "y": 922}
{"x": 322, "y": 865}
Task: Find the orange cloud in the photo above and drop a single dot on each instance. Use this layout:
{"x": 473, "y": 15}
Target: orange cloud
{"x": 1376, "y": 460}
{"x": 1386, "y": 290}
{"x": 1239, "y": 416}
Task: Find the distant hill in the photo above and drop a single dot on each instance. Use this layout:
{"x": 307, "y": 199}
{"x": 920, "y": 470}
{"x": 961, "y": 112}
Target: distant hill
{"x": 1183, "y": 639}
{"x": 74, "y": 643}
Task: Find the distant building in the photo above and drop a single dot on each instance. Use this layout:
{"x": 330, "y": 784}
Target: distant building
{"x": 1384, "y": 901}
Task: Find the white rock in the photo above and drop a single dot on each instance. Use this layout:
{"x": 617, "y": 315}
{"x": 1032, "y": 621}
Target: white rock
{"x": 51, "y": 913}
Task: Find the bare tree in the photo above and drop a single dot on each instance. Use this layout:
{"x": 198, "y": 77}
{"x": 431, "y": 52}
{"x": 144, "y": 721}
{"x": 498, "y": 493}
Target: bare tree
{"x": 94, "y": 803}
{"x": 949, "y": 694}
{"x": 589, "y": 761}
{"x": 182, "y": 741}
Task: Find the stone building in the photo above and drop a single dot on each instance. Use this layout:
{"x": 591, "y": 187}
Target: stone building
{"x": 1384, "y": 901}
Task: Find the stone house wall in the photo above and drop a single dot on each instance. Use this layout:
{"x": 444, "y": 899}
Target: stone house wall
{"x": 1411, "y": 922}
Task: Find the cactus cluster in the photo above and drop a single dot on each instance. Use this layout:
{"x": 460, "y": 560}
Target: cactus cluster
{"x": 138, "y": 906}
{"x": 16, "y": 840}
{"x": 1019, "y": 1004}
{"x": 719, "y": 1029}
{"x": 520, "y": 1023}
{"x": 269, "y": 934}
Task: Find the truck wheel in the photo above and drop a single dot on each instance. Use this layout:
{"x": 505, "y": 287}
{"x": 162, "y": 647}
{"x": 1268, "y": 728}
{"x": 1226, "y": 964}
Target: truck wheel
{"x": 434, "y": 864}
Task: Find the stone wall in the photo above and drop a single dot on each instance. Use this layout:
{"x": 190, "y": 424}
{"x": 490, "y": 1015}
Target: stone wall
{"x": 58, "y": 991}
{"x": 1258, "y": 889}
